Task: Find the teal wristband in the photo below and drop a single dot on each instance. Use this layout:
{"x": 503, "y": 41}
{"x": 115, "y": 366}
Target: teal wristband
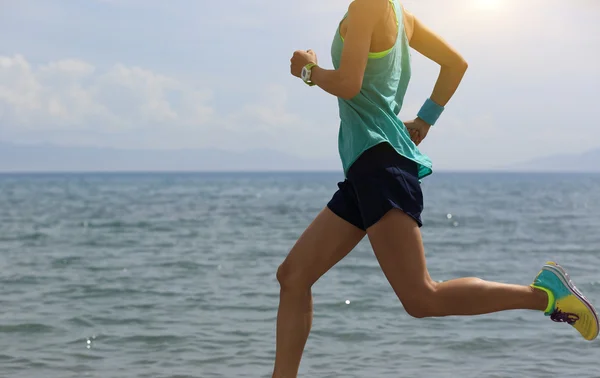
{"x": 430, "y": 112}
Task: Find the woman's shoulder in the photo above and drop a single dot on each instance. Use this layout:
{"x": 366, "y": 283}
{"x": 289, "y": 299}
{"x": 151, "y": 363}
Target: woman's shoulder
{"x": 368, "y": 6}
{"x": 409, "y": 21}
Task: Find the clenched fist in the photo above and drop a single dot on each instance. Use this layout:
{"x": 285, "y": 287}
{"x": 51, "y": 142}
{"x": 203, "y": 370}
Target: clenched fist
{"x": 300, "y": 59}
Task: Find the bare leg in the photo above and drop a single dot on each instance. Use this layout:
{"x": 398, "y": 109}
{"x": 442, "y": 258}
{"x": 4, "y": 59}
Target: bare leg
{"x": 396, "y": 241}
{"x": 325, "y": 242}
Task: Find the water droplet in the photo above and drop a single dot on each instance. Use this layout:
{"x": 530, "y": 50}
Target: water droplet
{"x": 347, "y": 301}
{"x": 88, "y": 346}
{"x": 449, "y": 216}
{"x": 455, "y": 224}
{"x": 89, "y": 341}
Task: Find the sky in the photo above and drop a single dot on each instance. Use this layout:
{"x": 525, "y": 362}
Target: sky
{"x": 215, "y": 74}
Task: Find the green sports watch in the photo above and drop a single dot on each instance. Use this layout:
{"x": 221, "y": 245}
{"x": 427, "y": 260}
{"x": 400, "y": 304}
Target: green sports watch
{"x": 307, "y": 73}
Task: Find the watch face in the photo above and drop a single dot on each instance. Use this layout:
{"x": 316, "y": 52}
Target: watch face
{"x": 304, "y": 72}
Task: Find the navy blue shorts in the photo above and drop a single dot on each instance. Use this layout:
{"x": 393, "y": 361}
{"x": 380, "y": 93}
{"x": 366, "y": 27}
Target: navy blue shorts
{"x": 379, "y": 180}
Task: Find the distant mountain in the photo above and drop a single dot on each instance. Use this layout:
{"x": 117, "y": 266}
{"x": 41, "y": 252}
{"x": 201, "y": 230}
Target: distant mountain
{"x": 54, "y": 158}
{"x": 586, "y": 162}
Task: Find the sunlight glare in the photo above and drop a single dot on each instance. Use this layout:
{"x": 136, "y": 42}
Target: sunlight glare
{"x": 488, "y": 4}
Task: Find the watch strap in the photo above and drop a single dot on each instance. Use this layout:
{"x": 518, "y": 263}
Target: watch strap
{"x": 309, "y": 67}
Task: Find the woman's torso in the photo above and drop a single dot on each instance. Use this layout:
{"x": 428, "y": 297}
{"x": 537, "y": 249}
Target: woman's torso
{"x": 371, "y": 117}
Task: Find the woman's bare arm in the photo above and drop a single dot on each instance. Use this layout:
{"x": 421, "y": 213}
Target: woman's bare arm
{"x": 346, "y": 81}
{"x": 452, "y": 69}
{"x": 452, "y": 65}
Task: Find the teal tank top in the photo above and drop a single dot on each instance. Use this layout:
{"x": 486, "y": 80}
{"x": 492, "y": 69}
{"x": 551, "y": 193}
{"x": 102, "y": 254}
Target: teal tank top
{"x": 371, "y": 117}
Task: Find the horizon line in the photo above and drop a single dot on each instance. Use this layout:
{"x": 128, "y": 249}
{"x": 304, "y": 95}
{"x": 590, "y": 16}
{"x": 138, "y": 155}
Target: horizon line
{"x": 279, "y": 171}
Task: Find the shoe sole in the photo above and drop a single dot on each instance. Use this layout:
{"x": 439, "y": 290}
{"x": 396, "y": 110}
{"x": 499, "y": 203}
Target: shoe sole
{"x": 564, "y": 276}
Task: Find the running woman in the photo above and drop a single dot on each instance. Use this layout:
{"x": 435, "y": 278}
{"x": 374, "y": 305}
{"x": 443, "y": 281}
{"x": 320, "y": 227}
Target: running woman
{"x": 381, "y": 195}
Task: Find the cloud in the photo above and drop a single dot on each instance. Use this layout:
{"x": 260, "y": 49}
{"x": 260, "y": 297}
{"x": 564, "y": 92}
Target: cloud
{"x": 72, "y": 101}
{"x": 73, "y": 94}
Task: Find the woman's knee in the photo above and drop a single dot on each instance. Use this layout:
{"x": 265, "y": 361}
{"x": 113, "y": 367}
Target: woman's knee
{"x": 418, "y": 309}
{"x": 292, "y": 278}
{"x": 422, "y": 303}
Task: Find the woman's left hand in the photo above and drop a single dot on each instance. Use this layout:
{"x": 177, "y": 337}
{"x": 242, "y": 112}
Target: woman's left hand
{"x": 417, "y": 129}
{"x": 300, "y": 59}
